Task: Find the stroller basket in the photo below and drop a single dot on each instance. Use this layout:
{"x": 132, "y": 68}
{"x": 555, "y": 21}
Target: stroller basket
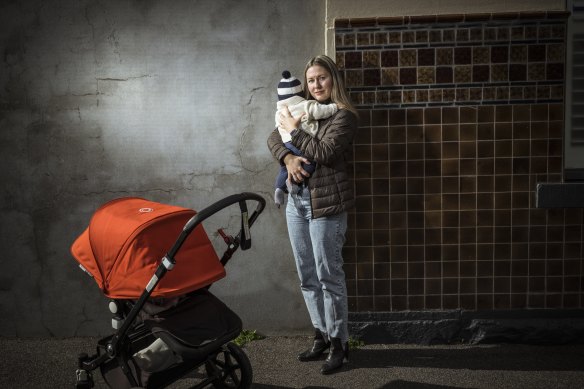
{"x": 167, "y": 318}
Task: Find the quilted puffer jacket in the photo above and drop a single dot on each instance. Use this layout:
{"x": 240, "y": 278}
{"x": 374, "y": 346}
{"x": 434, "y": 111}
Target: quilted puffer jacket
{"x": 330, "y": 190}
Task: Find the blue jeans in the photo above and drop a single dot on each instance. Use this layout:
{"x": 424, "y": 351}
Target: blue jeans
{"x": 317, "y": 246}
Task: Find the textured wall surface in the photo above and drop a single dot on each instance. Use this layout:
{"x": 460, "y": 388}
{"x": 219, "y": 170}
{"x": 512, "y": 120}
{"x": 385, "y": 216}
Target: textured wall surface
{"x": 171, "y": 101}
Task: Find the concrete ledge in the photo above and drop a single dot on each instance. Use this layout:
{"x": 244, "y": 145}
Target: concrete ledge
{"x": 447, "y": 327}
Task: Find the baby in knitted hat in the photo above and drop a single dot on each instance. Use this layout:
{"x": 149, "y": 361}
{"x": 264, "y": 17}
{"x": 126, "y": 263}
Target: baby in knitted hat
{"x": 291, "y": 95}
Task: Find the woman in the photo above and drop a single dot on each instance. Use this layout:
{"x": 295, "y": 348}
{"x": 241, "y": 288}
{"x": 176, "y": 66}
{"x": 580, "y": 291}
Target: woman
{"x": 317, "y": 214}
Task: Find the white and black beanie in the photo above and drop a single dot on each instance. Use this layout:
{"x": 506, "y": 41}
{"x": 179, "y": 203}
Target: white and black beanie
{"x": 289, "y": 86}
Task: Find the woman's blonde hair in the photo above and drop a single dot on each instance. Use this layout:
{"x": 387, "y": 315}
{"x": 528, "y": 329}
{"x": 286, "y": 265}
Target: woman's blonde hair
{"x": 338, "y": 93}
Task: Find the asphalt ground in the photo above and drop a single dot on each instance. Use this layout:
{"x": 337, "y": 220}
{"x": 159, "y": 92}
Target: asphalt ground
{"x": 51, "y": 363}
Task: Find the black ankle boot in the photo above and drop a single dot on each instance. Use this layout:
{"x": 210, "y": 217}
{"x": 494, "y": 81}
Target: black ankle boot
{"x": 337, "y": 355}
{"x": 319, "y": 346}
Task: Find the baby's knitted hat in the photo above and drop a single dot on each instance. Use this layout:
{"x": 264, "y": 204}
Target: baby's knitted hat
{"x": 289, "y": 86}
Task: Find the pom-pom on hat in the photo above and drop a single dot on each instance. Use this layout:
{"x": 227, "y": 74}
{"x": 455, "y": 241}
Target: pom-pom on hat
{"x": 289, "y": 86}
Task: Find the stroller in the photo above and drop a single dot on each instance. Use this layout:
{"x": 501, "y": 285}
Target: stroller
{"x": 167, "y": 322}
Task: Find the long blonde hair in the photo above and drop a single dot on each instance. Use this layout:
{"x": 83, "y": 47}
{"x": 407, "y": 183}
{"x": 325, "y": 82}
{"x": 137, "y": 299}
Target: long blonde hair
{"x": 338, "y": 93}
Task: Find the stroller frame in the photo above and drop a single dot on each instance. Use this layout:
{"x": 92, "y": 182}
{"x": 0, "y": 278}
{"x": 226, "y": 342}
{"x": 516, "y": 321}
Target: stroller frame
{"x": 221, "y": 358}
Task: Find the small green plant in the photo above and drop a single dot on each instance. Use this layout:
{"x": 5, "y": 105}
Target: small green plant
{"x": 355, "y": 343}
{"x": 247, "y": 336}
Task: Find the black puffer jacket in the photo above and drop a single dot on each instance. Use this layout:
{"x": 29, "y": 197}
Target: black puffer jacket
{"x": 330, "y": 189}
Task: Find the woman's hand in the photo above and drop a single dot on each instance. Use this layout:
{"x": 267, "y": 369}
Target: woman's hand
{"x": 294, "y": 167}
{"x": 287, "y": 121}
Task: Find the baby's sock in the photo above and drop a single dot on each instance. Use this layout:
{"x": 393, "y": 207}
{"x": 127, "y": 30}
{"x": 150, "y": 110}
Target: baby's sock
{"x": 279, "y": 197}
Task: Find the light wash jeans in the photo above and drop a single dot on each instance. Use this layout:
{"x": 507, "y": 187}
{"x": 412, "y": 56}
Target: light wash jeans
{"x": 317, "y": 245}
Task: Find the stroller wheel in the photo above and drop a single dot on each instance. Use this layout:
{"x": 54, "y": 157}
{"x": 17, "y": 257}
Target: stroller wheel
{"x": 230, "y": 368}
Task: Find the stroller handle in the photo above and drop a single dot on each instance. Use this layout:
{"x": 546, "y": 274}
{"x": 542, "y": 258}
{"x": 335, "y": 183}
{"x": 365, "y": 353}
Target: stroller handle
{"x": 246, "y": 222}
{"x": 224, "y": 203}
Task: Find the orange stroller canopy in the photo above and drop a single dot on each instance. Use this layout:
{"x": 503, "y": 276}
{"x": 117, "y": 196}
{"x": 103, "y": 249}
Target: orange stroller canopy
{"x": 126, "y": 240}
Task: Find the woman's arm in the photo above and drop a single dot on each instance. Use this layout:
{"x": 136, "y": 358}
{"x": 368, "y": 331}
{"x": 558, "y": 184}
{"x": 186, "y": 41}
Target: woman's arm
{"x": 276, "y": 146}
{"x": 292, "y": 162}
{"x": 337, "y": 138}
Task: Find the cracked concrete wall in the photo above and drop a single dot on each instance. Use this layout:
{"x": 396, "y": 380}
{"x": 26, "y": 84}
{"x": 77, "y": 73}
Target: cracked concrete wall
{"x": 167, "y": 100}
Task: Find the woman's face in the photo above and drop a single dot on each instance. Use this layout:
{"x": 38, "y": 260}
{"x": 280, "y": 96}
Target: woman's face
{"x": 320, "y": 83}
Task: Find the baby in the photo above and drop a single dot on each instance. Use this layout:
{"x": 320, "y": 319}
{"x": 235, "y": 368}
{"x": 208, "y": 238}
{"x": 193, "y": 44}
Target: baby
{"x": 290, "y": 94}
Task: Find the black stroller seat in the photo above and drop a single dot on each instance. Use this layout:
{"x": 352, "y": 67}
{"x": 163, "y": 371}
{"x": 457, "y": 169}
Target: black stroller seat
{"x": 201, "y": 323}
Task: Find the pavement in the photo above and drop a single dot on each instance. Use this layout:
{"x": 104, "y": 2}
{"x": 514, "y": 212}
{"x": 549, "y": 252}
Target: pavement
{"x": 51, "y": 364}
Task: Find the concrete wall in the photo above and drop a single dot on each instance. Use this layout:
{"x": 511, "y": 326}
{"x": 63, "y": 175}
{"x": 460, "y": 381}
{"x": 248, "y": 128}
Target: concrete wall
{"x": 167, "y": 100}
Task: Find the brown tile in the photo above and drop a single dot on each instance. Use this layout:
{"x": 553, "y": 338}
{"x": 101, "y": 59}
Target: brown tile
{"x": 517, "y": 72}
{"x": 555, "y": 52}
{"x": 486, "y": 166}
{"x": 536, "y": 53}
{"x": 490, "y": 34}
{"x": 371, "y": 59}
{"x": 389, "y": 58}
{"x": 354, "y": 78}
{"x": 463, "y": 55}
{"x": 467, "y": 200}
{"x": 450, "y": 132}
{"x": 363, "y": 39}
{"x": 444, "y": 75}
{"x": 462, "y": 74}
{"x": 489, "y": 94}
{"x": 415, "y": 151}
{"x": 353, "y": 59}
{"x": 502, "y": 93}
{"x": 516, "y": 93}
{"x": 435, "y": 36}
{"x": 433, "y": 185}
{"x": 415, "y": 116}
{"x": 462, "y": 94}
{"x": 485, "y": 184}
{"x": 450, "y": 167}
{"x": 395, "y": 97}
{"x": 448, "y": 35}
{"x": 554, "y": 71}
{"x": 407, "y": 57}
{"x": 444, "y": 56}
{"x": 481, "y": 55}
{"x": 433, "y": 302}
{"x": 409, "y": 96}
{"x": 371, "y": 77}
{"x": 499, "y": 73}
{"x": 518, "y": 54}
{"x": 421, "y": 36}
{"x": 476, "y": 34}
{"x": 468, "y": 132}
{"x": 481, "y": 73}
{"x": 408, "y": 76}
{"x": 426, "y": 57}
{"x": 503, "y": 33}
{"x": 517, "y": 33}
{"x": 426, "y": 75}
{"x": 468, "y": 149}
{"x": 450, "y": 115}
{"x": 462, "y": 35}
{"x": 408, "y": 36}
{"x": 468, "y": 167}
{"x": 448, "y": 94}
{"x": 499, "y": 54}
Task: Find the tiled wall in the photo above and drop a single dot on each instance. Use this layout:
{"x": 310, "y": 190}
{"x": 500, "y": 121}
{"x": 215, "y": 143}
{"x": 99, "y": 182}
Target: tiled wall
{"x": 460, "y": 117}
